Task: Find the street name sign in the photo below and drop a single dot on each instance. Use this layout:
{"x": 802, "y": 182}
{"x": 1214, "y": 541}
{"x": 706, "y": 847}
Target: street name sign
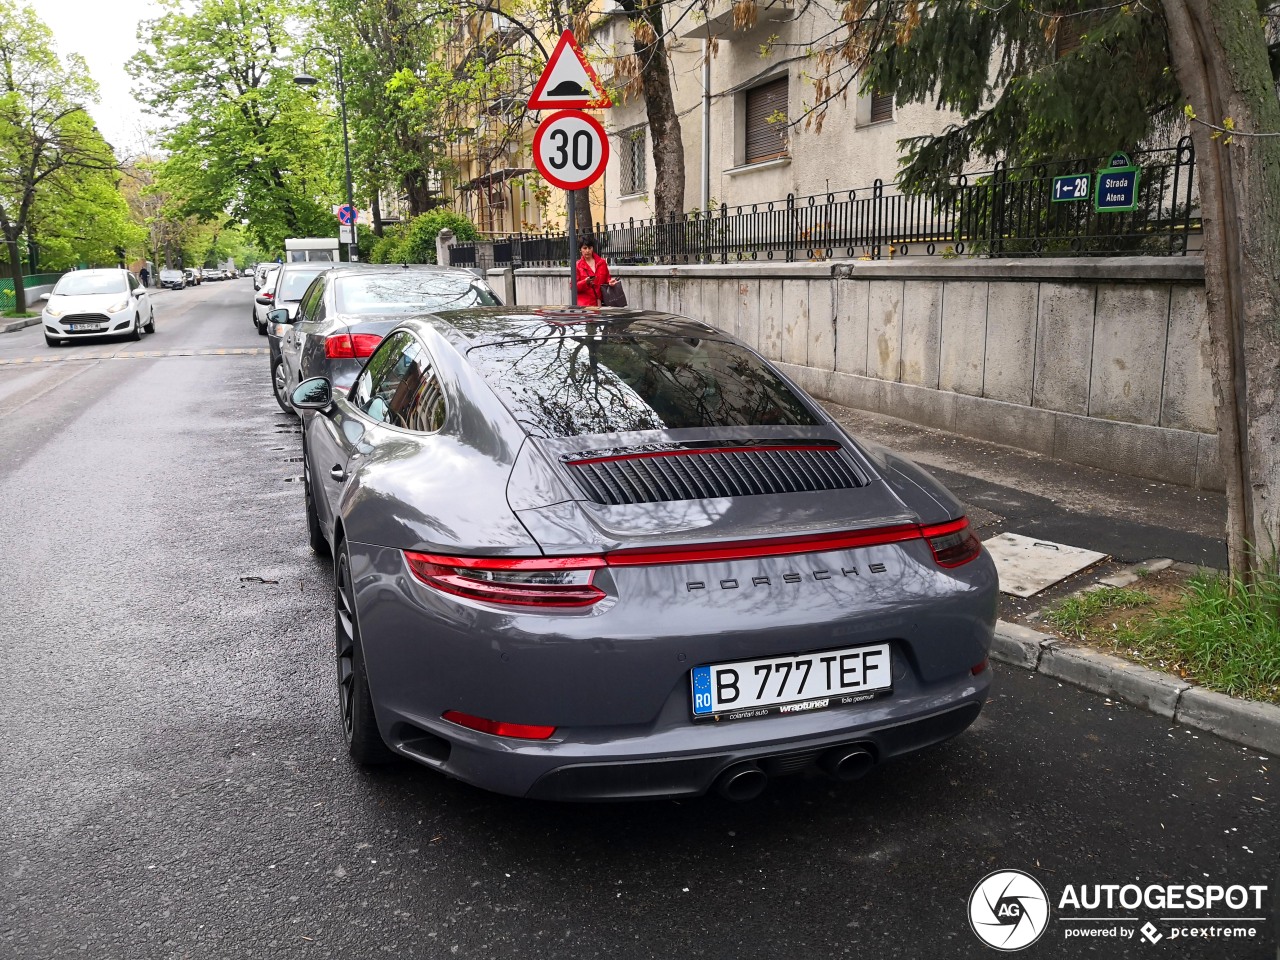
{"x": 570, "y": 149}
{"x": 1074, "y": 186}
{"x": 1117, "y": 189}
{"x": 568, "y": 81}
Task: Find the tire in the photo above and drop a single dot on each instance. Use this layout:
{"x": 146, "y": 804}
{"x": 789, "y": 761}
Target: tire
{"x": 151, "y": 323}
{"x": 315, "y": 536}
{"x": 355, "y": 705}
{"x": 278, "y": 386}
{"x": 137, "y": 328}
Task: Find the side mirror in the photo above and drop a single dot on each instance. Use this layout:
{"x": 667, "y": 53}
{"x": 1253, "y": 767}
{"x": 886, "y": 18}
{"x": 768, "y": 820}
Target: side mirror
{"x": 279, "y": 315}
{"x": 43, "y": 296}
{"x": 313, "y": 394}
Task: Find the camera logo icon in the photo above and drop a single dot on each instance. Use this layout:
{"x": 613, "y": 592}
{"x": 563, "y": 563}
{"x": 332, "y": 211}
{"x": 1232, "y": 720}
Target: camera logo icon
{"x": 1008, "y": 910}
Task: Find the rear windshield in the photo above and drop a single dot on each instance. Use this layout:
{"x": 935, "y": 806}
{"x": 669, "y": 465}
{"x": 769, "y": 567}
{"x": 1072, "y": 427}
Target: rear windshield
{"x": 577, "y": 384}
{"x": 79, "y": 284}
{"x": 410, "y": 293}
{"x": 294, "y": 283}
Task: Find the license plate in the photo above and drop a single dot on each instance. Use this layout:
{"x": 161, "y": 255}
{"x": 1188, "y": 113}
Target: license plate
{"x": 796, "y": 684}
{"x": 86, "y": 326}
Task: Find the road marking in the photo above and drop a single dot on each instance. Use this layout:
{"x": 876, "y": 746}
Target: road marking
{"x": 146, "y": 354}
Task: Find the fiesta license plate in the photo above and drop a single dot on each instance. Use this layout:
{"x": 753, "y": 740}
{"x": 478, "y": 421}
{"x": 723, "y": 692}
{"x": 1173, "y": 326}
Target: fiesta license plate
{"x": 86, "y": 326}
{"x": 798, "y": 684}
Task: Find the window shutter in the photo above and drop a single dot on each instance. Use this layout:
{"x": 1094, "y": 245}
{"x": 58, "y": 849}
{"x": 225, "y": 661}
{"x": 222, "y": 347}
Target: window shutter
{"x": 766, "y": 140}
{"x": 881, "y": 106}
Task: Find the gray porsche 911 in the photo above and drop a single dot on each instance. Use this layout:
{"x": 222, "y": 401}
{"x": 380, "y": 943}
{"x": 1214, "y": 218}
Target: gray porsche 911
{"x": 601, "y": 554}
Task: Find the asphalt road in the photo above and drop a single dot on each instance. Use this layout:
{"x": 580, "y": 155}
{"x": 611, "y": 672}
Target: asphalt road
{"x": 173, "y": 782}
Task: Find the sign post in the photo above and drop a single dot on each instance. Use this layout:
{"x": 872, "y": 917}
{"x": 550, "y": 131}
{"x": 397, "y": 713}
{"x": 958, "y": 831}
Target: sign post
{"x": 1117, "y": 189}
{"x": 570, "y": 148}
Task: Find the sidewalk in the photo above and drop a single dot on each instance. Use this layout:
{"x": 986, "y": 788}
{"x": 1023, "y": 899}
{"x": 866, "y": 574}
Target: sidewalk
{"x": 1130, "y": 519}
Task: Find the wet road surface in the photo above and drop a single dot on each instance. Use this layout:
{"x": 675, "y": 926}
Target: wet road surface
{"x": 174, "y": 782}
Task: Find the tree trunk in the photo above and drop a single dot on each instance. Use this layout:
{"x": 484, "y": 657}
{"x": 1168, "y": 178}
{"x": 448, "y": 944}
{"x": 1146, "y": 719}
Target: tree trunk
{"x": 377, "y": 214}
{"x": 660, "y": 108}
{"x": 15, "y": 273}
{"x": 418, "y": 189}
{"x": 1219, "y": 55}
{"x": 582, "y": 213}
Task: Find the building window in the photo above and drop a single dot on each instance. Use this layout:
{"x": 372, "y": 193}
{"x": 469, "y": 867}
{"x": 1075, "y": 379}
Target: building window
{"x": 632, "y": 156}
{"x": 766, "y": 122}
{"x": 881, "y": 106}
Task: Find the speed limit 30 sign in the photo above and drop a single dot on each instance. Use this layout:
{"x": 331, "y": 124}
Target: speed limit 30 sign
{"x": 570, "y": 149}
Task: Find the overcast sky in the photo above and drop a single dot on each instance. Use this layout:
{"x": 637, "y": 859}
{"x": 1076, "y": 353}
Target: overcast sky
{"x": 104, "y": 32}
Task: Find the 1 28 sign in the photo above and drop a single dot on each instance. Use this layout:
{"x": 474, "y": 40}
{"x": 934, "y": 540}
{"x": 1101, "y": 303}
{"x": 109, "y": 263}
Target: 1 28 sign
{"x": 570, "y": 149}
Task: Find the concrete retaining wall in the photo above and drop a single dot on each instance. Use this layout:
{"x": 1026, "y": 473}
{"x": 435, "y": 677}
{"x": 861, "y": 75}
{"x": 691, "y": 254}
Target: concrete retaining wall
{"x": 1102, "y": 362}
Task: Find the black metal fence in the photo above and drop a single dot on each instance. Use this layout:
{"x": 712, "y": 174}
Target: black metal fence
{"x": 1000, "y": 212}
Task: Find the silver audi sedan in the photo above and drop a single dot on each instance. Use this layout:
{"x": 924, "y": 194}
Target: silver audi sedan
{"x": 600, "y": 554}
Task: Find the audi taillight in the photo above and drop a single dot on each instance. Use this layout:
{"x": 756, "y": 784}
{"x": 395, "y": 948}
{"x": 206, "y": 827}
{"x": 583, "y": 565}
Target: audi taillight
{"x": 525, "y": 582}
{"x": 351, "y": 346}
{"x": 953, "y": 543}
{"x": 499, "y": 728}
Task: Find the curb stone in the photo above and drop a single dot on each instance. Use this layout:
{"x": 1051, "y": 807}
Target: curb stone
{"x": 1246, "y": 722}
{"x": 15, "y": 325}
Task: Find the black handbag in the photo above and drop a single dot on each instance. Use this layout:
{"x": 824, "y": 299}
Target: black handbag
{"x": 612, "y": 295}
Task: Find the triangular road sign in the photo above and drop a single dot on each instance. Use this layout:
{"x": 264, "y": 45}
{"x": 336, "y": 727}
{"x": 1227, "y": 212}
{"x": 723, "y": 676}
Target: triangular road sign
{"x": 568, "y": 82}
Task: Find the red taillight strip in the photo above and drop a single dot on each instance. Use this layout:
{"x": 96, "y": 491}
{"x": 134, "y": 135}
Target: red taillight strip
{"x": 777, "y": 547}
{"x": 942, "y": 529}
{"x": 825, "y": 447}
{"x": 511, "y": 563}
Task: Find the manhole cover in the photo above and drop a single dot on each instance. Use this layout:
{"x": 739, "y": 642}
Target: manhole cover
{"x": 1027, "y": 566}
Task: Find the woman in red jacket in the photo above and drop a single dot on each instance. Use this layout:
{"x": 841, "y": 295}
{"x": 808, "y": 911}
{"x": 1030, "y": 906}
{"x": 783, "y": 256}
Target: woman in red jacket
{"x": 592, "y": 274}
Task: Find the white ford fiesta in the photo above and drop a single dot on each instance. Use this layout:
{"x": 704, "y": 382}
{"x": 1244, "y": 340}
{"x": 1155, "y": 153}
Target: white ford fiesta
{"x": 95, "y": 303}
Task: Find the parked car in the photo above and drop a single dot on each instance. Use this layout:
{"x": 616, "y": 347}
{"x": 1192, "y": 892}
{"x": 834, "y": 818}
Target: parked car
{"x": 210, "y": 273}
{"x": 262, "y": 303}
{"x": 607, "y": 554}
{"x": 173, "y": 279}
{"x": 344, "y": 315}
{"x": 260, "y": 273}
{"x": 292, "y": 280}
{"x": 193, "y": 276}
{"x": 94, "y": 303}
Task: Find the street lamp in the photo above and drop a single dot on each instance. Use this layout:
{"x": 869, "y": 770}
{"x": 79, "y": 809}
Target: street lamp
{"x": 306, "y": 80}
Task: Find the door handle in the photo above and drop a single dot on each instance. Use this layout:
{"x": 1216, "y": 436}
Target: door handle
{"x": 338, "y": 473}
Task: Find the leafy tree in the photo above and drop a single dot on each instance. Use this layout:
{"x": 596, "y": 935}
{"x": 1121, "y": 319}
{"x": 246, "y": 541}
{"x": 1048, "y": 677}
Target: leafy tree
{"x": 245, "y": 143}
{"x": 84, "y": 218}
{"x": 1126, "y": 74}
{"x": 47, "y": 141}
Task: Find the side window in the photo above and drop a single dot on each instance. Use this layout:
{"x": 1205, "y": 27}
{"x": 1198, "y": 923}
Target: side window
{"x": 382, "y": 374}
{"x": 133, "y": 283}
{"x": 399, "y": 388}
{"x": 307, "y": 307}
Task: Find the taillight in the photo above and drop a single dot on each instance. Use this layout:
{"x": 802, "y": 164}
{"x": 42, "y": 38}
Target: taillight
{"x": 351, "y": 346}
{"x": 953, "y": 543}
{"x": 498, "y": 728}
{"x": 526, "y": 582}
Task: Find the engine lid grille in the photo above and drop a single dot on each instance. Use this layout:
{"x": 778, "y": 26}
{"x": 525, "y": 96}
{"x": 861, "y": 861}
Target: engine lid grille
{"x": 704, "y": 473}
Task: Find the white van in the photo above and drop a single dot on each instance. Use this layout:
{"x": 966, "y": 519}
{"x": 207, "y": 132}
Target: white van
{"x": 311, "y": 249}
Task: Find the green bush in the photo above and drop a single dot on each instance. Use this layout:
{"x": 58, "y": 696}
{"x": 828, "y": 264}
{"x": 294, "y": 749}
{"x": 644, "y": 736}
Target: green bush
{"x": 386, "y": 249}
{"x": 420, "y": 238}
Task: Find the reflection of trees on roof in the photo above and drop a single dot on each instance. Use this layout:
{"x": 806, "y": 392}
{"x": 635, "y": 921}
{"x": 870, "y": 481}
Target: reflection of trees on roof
{"x": 579, "y": 383}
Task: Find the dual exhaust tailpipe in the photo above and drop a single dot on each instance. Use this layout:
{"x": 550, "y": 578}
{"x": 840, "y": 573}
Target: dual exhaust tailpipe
{"x": 746, "y": 781}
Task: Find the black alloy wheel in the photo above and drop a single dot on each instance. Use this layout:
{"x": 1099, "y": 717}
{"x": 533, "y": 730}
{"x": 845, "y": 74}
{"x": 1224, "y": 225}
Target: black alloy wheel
{"x": 278, "y": 387}
{"x": 137, "y": 327}
{"x": 359, "y": 725}
{"x": 151, "y": 323}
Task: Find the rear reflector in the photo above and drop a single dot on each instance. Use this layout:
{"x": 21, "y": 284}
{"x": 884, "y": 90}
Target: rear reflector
{"x": 351, "y": 346}
{"x": 979, "y": 667}
{"x": 521, "y": 731}
{"x": 525, "y": 582}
